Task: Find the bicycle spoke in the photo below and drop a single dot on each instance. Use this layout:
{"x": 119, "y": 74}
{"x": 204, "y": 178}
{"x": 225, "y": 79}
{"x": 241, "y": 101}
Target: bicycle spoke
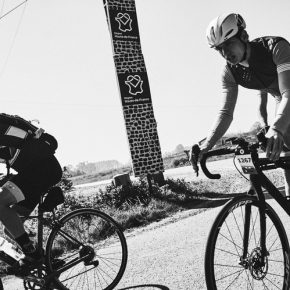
{"x": 275, "y": 250}
{"x": 265, "y": 286}
{"x": 229, "y": 275}
{"x": 225, "y": 265}
{"x": 249, "y": 280}
{"x": 107, "y": 261}
{"x": 272, "y": 283}
{"x": 276, "y": 261}
{"x": 237, "y": 225}
{"x": 227, "y": 252}
{"x": 232, "y": 243}
{"x": 253, "y": 228}
{"x": 273, "y": 243}
{"x": 236, "y": 246}
{"x": 277, "y": 275}
{"x": 234, "y": 280}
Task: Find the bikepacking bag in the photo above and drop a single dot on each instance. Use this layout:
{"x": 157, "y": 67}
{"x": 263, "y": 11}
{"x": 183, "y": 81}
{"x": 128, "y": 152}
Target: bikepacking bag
{"x": 20, "y": 139}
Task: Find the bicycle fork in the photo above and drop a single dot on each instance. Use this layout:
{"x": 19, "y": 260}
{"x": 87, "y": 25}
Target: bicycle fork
{"x": 257, "y": 260}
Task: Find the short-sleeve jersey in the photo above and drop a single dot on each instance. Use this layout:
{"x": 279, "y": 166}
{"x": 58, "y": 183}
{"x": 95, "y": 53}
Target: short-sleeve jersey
{"x": 269, "y": 56}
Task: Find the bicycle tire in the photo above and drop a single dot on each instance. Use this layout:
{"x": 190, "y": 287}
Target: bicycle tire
{"x": 104, "y": 235}
{"x": 222, "y": 265}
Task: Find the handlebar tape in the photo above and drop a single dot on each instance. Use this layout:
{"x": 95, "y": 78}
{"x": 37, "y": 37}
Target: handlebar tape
{"x": 217, "y": 152}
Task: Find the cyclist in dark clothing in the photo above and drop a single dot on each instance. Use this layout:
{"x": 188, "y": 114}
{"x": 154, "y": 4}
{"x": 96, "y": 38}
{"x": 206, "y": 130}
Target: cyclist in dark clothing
{"x": 30, "y": 152}
{"x": 263, "y": 65}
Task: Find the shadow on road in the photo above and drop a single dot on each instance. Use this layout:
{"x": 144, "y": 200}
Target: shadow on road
{"x": 211, "y": 200}
{"x": 146, "y": 287}
{"x": 218, "y": 199}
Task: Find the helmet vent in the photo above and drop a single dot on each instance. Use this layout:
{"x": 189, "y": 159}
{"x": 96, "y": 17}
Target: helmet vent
{"x": 212, "y": 31}
{"x": 240, "y": 20}
{"x": 229, "y": 32}
{"x": 221, "y": 31}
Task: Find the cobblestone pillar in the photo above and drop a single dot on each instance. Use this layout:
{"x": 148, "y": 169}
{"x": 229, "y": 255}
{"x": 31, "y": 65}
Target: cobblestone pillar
{"x": 134, "y": 87}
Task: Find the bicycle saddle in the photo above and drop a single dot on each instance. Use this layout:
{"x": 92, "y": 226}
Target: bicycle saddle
{"x": 53, "y": 198}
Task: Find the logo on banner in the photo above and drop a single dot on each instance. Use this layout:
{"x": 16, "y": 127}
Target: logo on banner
{"x": 135, "y": 84}
{"x": 124, "y": 21}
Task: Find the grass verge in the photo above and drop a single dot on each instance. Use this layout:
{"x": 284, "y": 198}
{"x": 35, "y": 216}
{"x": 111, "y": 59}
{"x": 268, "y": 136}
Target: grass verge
{"x": 134, "y": 206}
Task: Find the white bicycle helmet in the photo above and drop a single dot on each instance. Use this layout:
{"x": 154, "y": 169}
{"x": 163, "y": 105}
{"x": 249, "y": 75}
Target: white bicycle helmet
{"x": 224, "y": 27}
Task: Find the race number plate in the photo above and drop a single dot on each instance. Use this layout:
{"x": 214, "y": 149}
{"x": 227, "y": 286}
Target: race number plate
{"x": 247, "y": 164}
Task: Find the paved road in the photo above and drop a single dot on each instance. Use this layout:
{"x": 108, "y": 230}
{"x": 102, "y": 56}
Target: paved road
{"x": 168, "y": 255}
{"x": 172, "y": 256}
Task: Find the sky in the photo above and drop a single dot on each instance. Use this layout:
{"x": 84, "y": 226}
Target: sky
{"x": 56, "y": 66}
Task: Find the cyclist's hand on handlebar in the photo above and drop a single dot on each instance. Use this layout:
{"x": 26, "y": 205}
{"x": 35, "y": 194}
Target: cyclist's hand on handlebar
{"x": 202, "y": 152}
{"x": 274, "y": 144}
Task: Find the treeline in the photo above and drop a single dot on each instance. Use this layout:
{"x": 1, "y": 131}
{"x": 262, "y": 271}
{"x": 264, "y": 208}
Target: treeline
{"x": 89, "y": 168}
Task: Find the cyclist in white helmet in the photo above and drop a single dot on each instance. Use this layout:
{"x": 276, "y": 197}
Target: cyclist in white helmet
{"x": 262, "y": 64}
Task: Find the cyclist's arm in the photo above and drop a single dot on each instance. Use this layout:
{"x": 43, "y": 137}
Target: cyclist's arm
{"x": 281, "y": 57}
{"x": 225, "y": 115}
{"x": 262, "y": 110}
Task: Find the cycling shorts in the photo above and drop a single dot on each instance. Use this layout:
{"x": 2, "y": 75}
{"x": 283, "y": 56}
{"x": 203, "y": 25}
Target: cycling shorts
{"x": 36, "y": 179}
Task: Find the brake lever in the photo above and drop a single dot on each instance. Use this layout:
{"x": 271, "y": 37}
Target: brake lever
{"x": 195, "y": 150}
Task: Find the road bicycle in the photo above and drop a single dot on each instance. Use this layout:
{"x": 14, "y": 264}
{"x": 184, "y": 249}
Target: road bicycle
{"x": 247, "y": 247}
{"x": 84, "y": 249}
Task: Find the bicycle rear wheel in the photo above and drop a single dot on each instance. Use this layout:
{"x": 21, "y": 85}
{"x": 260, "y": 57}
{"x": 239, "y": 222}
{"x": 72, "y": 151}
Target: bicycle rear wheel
{"x": 92, "y": 233}
{"x": 224, "y": 267}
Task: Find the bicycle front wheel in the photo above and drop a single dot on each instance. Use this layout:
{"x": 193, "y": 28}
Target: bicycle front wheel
{"x": 92, "y": 234}
{"x": 225, "y": 267}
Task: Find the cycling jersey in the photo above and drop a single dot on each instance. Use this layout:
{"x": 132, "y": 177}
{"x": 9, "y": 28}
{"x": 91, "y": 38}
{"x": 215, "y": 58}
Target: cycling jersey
{"x": 269, "y": 56}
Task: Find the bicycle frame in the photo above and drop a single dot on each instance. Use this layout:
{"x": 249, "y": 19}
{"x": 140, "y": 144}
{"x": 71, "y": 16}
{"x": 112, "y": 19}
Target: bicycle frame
{"x": 40, "y": 225}
{"x": 259, "y": 180}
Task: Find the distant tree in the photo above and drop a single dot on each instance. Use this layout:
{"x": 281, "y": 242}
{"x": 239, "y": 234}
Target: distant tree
{"x": 66, "y": 184}
{"x": 179, "y": 148}
{"x": 255, "y": 128}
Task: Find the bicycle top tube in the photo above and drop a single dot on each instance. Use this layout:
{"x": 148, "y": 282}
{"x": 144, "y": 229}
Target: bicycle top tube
{"x": 249, "y": 156}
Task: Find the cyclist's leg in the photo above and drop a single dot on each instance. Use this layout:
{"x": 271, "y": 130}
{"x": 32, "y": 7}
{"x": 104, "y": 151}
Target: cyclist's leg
{"x": 11, "y": 194}
{"x": 34, "y": 181}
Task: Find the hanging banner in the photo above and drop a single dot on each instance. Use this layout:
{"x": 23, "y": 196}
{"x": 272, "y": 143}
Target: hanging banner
{"x": 134, "y": 87}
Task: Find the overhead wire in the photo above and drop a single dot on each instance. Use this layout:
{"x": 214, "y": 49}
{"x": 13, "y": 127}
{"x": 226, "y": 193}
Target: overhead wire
{"x": 2, "y": 7}
{"x": 13, "y": 9}
{"x": 15, "y": 34}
